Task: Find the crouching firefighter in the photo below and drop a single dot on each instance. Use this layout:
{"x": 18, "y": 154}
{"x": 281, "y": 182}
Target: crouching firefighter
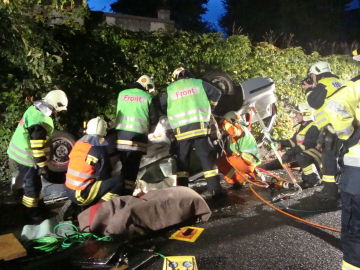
{"x": 136, "y": 113}
{"x": 27, "y": 149}
{"x": 303, "y": 146}
{"x": 188, "y": 103}
{"x": 242, "y": 153}
{"x": 342, "y": 109}
{"x": 88, "y": 178}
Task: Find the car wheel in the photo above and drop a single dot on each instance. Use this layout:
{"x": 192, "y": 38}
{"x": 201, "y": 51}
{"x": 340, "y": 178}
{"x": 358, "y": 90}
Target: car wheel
{"x": 220, "y": 80}
{"x": 58, "y": 150}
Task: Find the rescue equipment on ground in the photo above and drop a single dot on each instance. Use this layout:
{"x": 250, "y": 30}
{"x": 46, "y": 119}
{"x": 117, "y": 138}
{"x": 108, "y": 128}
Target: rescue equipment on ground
{"x": 188, "y": 234}
{"x": 180, "y": 262}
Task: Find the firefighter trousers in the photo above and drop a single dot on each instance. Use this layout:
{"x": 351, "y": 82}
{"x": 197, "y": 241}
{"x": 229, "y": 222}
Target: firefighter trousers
{"x": 205, "y": 151}
{"x": 350, "y": 230}
{"x": 32, "y": 185}
{"x": 130, "y": 164}
{"x": 98, "y": 191}
{"x": 310, "y": 165}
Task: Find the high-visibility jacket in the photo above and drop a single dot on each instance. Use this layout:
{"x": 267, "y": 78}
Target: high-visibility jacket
{"x": 187, "y": 103}
{"x": 133, "y": 111}
{"x": 343, "y": 110}
{"x": 22, "y": 149}
{"x": 246, "y": 147}
{"x": 80, "y": 173}
{"x": 331, "y": 85}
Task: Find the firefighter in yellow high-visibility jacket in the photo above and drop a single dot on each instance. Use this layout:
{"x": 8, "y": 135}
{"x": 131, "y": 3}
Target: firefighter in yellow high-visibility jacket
{"x": 343, "y": 111}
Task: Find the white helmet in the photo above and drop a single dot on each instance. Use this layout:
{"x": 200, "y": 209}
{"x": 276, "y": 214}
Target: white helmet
{"x": 356, "y": 55}
{"x": 232, "y": 117}
{"x": 96, "y": 126}
{"x": 306, "y": 111}
{"x": 176, "y": 73}
{"x": 147, "y": 83}
{"x": 57, "y": 99}
{"x": 319, "y": 68}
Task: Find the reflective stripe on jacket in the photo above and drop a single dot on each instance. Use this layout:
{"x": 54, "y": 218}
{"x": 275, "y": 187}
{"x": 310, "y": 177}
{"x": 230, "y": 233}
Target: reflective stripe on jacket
{"x": 80, "y": 174}
{"x": 300, "y": 135}
{"x": 133, "y": 111}
{"x": 187, "y": 104}
{"x": 246, "y": 146}
{"x": 331, "y": 85}
{"x": 20, "y": 149}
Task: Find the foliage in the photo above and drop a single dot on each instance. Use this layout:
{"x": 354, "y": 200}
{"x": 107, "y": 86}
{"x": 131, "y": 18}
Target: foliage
{"x": 185, "y": 13}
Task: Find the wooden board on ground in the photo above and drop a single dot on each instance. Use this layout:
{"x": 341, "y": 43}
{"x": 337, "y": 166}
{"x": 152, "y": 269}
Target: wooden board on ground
{"x": 10, "y": 247}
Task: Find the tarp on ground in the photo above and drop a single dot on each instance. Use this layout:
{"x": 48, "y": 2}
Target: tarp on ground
{"x": 158, "y": 209}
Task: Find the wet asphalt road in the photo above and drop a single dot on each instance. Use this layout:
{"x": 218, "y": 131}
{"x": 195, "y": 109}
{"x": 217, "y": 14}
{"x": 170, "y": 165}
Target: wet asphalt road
{"x": 244, "y": 233}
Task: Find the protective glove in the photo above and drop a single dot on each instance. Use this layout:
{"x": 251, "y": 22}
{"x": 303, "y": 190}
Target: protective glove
{"x": 44, "y": 172}
{"x": 286, "y": 158}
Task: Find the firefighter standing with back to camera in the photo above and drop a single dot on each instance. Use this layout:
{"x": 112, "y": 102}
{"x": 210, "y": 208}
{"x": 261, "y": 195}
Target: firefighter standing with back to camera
{"x": 322, "y": 84}
{"x": 136, "y": 113}
{"x": 188, "y": 104}
{"x": 302, "y": 146}
{"x": 342, "y": 109}
{"x": 27, "y": 149}
{"x": 88, "y": 177}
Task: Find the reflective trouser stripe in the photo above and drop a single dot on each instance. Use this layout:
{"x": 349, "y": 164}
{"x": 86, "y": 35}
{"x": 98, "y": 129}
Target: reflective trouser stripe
{"x": 42, "y": 164}
{"x": 328, "y": 178}
{"x": 31, "y": 202}
{"x": 38, "y": 153}
{"x": 348, "y": 266}
{"x": 231, "y": 173}
{"x": 92, "y": 194}
{"x": 310, "y": 169}
{"x": 108, "y": 196}
{"x": 211, "y": 173}
{"x": 315, "y": 154}
{"x": 190, "y": 134}
{"x": 182, "y": 174}
{"x": 129, "y": 184}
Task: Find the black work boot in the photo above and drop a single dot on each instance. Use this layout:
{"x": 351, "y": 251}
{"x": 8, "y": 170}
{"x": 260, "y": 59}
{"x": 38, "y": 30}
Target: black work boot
{"x": 34, "y": 215}
{"x": 311, "y": 180}
{"x": 329, "y": 191}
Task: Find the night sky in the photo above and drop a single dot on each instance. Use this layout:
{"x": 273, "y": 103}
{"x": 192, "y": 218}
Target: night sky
{"x": 215, "y": 9}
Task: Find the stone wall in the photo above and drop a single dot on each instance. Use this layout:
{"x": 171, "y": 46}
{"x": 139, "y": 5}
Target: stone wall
{"x": 135, "y": 23}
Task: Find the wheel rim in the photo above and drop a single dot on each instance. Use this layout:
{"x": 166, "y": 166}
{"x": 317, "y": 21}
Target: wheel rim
{"x": 221, "y": 84}
{"x": 61, "y": 150}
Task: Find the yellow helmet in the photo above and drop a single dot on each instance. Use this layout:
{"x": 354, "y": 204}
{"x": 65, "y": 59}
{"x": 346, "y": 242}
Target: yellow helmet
{"x": 356, "y": 54}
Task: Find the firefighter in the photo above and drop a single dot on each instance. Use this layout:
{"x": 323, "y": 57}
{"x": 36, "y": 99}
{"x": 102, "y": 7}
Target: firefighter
{"x": 242, "y": 152}
{"x": 27, "y": 149}
{"x": 321, "y": 84}
{"x": 303, "y": 146}
{"x": 188, "y": 103}
{"x": 342, "y": 109}
{"x": 136, "y": 113}
{"x": 88, "y": 178}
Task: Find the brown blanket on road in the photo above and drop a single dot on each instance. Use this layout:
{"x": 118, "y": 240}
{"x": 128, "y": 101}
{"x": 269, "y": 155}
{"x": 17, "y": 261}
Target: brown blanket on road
{"x": 156, "y": 210}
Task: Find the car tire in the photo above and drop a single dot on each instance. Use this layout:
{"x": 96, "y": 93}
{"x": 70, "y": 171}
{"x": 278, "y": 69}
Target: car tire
{"x": 220, "y": 80}
{"x": 57, "y": 150}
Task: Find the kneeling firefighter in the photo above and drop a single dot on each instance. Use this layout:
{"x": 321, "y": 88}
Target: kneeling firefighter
{"x": 241, "y": 149}
{"x": 27, "y": 149}
{"x": 303, "y": 146}
{"x": 88, "y": 178}
{"x": 342, "y": 109}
